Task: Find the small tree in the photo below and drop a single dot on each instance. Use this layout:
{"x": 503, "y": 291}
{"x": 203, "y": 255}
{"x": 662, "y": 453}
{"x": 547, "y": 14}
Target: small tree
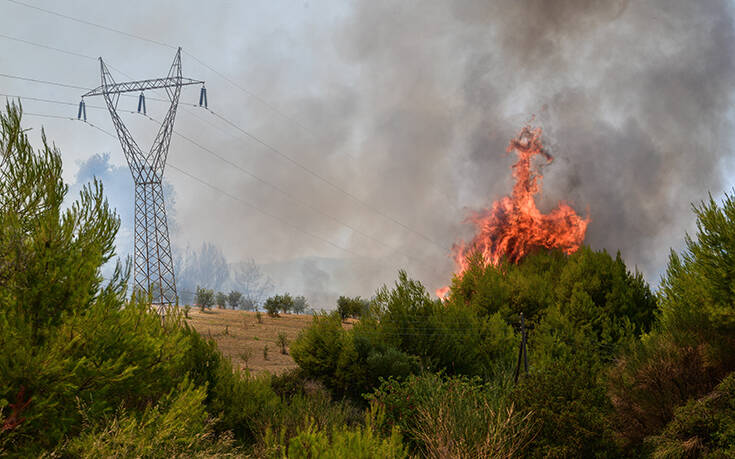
{"x": 351, "y": 307}
{"x": 282, "y": 342}
{"x": 221, "y": 300}
{"x": 272, "y": 306}
{"x": 205, "y": 298}
{"x": 299, "y": 305}
{"x": 187, "y": 308}
{"x": 276, "y": 303}
{"x": 235, "y": 299}
{"x": 245, "y": 355}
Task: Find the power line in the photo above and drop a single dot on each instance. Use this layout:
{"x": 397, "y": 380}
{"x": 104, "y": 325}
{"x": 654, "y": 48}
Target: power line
{"x": 234, "y": 197}
{"x": 89, "y": 23}
{"x": 166, "y": 45}
{"x": 35, "y": 80}
{"x": 325, "y": 180}
{"x": 252, "y": 175}
{"x": 257, "y": 139}
{"x": 234, "y": 125}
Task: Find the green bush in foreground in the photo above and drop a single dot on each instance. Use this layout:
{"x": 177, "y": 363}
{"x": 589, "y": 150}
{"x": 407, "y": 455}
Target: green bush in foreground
{"x": 177, "y": 426}
{"x": 454, "y": 417}
{"x": 341, "y": 442}
{"x": 702, "y": 428}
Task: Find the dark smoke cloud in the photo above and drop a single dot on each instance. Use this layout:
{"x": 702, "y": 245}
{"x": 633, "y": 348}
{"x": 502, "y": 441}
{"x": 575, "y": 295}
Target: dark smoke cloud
{"x": 634, "y": 99}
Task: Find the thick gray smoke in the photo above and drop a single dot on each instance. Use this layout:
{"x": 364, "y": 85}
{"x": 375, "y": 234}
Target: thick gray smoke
{"x": 409, "y": 106}
{"x": 635, "y": 100}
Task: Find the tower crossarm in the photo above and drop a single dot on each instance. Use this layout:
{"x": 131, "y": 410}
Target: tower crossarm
{"x": 142, "y": 85}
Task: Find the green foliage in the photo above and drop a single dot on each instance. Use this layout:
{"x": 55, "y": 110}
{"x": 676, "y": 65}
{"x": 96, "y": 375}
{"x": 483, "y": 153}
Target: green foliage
{"x": 693, "y": 346}
{"x": 565, "y": 391}
{"x": 50, "y": 254}
{"x": 176, "y": 426}
{"x": 358, "y": 442}
{"x": 300, "y": 304}
{"x": 454, "y": 416}
{"x": 204, "y": 298}
{"x": 282, "y": 341}
{"x": 405, "y": 331}
{"x": 235, "y": 299}
{"x": 704, "y": 427}
{"x": 220, "y": 300}
{"x": 283, "y": 303}
{"x": 82, "y": 371}
{"x": 187, "y": 310}
{"x": 351, "y": 307}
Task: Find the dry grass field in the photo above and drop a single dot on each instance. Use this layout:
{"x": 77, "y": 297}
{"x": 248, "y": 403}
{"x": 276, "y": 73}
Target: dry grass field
{"x": 239, "y": 333}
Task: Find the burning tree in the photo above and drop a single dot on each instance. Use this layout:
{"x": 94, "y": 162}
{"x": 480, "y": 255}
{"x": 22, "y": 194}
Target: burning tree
{"x": 514, "y": 226}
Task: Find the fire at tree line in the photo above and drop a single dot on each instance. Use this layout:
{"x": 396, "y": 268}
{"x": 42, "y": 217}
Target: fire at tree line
{"x": 614, "y": 368}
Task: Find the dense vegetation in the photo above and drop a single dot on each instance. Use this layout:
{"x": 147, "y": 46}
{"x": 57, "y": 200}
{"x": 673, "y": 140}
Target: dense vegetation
{"x": 613, "y": 370}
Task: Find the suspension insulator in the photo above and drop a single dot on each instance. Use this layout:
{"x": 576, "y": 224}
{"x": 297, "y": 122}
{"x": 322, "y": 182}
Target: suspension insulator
{"x": 203, "y": 97}
{"x": 141, "y": 104}
{"x": 82, "y": 114}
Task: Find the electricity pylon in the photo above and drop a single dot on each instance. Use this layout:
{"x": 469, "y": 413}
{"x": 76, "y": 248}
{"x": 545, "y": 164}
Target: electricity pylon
{"x": 153, "y": 263}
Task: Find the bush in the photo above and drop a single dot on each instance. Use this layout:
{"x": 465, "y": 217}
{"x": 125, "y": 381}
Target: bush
{"x": 342, "y": 441}
{"x": 300, "y": 305}
{"x": 220, "y": 300}
{"x": 276, "y": 303}
{"x": 702, "y": 428}
{"x": 693, "y": 346}
{"x": 176, "y": 426}
{"x": 454, "y": 417}
{"x": 351, "y": 307}
{"x": 204, "y": 298}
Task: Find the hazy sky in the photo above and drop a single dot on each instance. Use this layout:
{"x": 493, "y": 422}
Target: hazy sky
{"x": 404, "y": 109}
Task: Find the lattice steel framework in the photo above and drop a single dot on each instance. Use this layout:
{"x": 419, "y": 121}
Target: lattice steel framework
{"x": 153, "y": 263}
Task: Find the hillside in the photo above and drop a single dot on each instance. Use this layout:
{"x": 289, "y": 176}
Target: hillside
{"x": 239, "y": 331}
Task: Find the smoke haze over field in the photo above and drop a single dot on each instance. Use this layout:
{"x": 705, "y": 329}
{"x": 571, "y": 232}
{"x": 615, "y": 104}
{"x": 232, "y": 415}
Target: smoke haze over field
{"x": 408, "y": 106}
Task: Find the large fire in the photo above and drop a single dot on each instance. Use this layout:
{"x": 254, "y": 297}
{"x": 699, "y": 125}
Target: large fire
{"x": 513, "y": 226}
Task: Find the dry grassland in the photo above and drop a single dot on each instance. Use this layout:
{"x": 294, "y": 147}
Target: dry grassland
{"x": 238, "y": 332}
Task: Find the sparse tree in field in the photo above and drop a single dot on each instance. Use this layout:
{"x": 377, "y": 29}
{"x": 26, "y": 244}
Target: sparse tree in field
{"x": 259, "y": 317}
{"x": 221, "y": 300}
{"x": 282, "y": 342}
{"x": 351, "y": 307}
{"x": 265, "y": 352}
{"x": 272, "y": 307}
{"x": 276, "y": 303}
{"x": 245, "y": 355}
{"x": 235, "y": 299}
{"x": 187, "y": 308}
{"x": 300, "y": 304}
{"x": 204, "y": 298}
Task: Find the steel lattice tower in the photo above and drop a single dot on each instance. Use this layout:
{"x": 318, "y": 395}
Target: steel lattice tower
{"x": 153, "y": 263}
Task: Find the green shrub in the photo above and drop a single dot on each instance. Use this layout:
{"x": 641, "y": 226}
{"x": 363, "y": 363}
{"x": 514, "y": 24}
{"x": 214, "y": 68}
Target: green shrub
{"x": 702, "y": 428}
{"x": 351, "y": 307}
{"x": 276, "y": 303}
{"x": 341, "y": 441}
{"x": 693, "y": 346}
{"x": 177, "y": 426}
{"x": 454, "y": 416}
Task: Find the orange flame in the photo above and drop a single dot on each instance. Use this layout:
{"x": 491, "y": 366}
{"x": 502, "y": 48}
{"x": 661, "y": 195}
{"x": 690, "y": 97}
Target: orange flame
{"x": 513, "y": 226}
